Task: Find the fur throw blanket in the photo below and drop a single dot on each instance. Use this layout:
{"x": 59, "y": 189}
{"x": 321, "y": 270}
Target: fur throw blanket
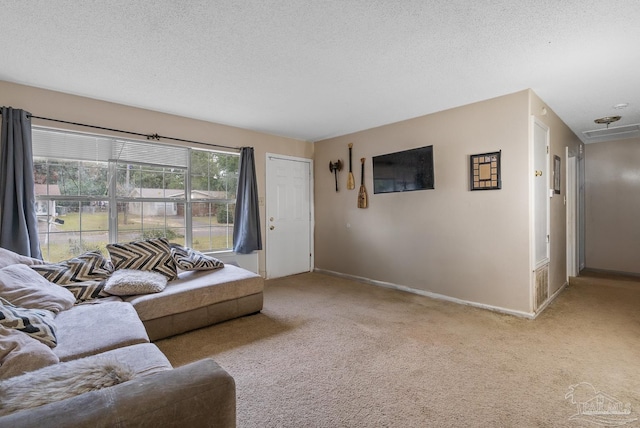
{"x": 60, "y": 381}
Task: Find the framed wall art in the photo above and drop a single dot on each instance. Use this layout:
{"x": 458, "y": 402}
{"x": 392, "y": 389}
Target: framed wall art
{"x": 556, "y": 174}
{"x": 484, "y": 171}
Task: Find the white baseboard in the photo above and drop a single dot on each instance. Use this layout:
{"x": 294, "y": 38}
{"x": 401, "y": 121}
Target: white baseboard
{"x": 432, "y": 295}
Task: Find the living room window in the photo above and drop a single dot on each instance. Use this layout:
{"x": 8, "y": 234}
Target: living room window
{"x": 92, "y": 190}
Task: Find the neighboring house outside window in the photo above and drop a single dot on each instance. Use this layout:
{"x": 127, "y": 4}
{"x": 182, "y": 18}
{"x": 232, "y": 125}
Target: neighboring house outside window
{"x": 93, "y": 190}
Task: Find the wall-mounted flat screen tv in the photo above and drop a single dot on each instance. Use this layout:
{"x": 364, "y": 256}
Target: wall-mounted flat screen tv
{"x": 403, "y": 171}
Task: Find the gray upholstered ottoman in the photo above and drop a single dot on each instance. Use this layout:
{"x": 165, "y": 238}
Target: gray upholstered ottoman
{"x": 198, "y": 299}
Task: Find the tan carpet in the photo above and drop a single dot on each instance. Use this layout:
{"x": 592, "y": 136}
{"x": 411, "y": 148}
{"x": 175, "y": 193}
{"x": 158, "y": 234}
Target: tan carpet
{"x": 330, "y": 352}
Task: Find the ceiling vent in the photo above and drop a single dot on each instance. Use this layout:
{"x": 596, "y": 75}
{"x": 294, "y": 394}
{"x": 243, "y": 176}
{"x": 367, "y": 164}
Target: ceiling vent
{"x": 616, "y": 131}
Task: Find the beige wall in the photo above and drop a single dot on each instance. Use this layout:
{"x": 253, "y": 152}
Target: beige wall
{"x": 612, "y": 180}
{"x": 467, "y": 245}
{"x": 472, "y": 246}
{"x": 57, "y": 105}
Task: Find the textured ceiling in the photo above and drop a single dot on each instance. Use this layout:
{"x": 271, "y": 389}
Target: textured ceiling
{"x": 317, "y": 69}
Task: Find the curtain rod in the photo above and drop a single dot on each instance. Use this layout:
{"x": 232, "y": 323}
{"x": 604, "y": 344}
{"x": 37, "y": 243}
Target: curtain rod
{"x": 155, "y": 137}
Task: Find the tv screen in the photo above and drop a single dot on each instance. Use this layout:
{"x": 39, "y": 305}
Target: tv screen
{"x": 403, "y": 171}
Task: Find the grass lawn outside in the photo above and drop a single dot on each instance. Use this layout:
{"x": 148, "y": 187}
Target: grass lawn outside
{"x": 82, "y": 232}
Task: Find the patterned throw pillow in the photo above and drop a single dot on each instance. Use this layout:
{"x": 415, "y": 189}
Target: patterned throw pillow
{"x": 150, "y": 254}
{"x": 189, "y": 259}
{"x": 37, "y": 323}
{"x": 87, "y": 290}
{"x": 86, "y": 267}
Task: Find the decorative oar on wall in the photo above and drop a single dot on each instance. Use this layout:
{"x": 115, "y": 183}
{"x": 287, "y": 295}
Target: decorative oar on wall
{"x": 334, "y": 167}
{"x": 351, "y": 184}
{"x": 363, "y": 199}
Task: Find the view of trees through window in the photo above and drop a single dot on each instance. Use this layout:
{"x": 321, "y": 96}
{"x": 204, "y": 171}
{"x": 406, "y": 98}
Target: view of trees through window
{"x": 83, "y": 205}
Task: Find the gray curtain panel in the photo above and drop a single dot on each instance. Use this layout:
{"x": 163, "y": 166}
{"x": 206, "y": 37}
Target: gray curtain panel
{"x": 246, "y": 230}
{"x": 18, "y": 220}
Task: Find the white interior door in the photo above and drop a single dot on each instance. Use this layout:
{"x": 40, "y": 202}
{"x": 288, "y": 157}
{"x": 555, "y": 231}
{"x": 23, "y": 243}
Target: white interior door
{"x": 572, "y": 217}
{"x": 540, "y": 209}
{"x": 289, "y": 216}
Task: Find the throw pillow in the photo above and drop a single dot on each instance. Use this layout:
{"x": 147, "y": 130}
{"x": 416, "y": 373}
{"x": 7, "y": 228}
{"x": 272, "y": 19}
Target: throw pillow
{"x": 87, "y": 290}
{"x": 37, "y": 323}
{"x": 128, "y": 282}
{"x": 8, "y": 257}
{"x": 65, "y": 380}
{"x": 150, "y": 255}
{"x": 24, "y": 287}
{"x": 20, "y": 353}
{"x": 86, "y": 267}
{"x": 189, "y": 259}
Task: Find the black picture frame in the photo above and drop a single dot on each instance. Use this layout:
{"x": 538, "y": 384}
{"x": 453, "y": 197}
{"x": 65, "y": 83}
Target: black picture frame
{"x": 557, "y": 163}
{"x": 484, "y": 171}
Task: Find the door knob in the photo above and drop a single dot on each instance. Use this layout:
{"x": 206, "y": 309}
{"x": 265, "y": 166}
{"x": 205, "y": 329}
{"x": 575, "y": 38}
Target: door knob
{"x": 272, "y": 227}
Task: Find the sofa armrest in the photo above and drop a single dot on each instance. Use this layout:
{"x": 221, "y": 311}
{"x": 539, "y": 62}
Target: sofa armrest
{"x": 200, "y": 394}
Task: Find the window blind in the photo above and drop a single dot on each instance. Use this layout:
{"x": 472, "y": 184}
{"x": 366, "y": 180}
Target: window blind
{"x": 79, "y": 146}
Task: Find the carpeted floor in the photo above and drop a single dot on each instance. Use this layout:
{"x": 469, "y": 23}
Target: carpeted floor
{"x": 330, "y": 352}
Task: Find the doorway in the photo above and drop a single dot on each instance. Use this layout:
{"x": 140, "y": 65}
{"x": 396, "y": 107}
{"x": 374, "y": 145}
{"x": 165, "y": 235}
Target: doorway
{"x": 572, "y": 216}
{"x": 540, "y": 222}
{"x": 289, "y": 222}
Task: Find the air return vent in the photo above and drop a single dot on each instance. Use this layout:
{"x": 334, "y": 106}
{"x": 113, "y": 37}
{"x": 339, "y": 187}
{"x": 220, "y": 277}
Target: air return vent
{"x": 542, "y": 286}
{"x": 616, "y": 131}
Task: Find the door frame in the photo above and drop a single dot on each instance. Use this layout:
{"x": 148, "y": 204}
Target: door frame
{"x": 533, "y": 266}
{"x": 572, "y": 215}
{"x": 268, "y": 258}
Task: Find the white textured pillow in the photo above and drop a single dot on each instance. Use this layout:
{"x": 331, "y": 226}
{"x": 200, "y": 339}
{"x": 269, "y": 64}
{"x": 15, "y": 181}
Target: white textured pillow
{"x": 127, "y": 282}
{"x": 26, "y": 288}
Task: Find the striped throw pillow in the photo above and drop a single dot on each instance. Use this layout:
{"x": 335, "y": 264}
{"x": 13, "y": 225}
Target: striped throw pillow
{"x": 89, "y": 266}
{"x": 37, "y": 323}
{"x": 150, "y": 254}
{"x": 189, "y": 259}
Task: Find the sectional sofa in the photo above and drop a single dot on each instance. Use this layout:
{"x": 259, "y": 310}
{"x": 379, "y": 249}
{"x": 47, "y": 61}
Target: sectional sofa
{"x": 110, "y": 337}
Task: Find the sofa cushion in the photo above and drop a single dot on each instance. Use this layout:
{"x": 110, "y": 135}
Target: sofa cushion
{"x": 37, "y": 323}
{"x": 149, "y": 254}
{"x": 189, "y": 259}
{"x": 24, "y": 287}
{"x": 128, "y": 282}
{"x": 144, "y": 359}
{"x": 196, "y": 289}
{"x": 86, "y": 267}
{"x": 8, "y": 257}
{"x": 90, "y": 329}
{"x": 21, "y": 353}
